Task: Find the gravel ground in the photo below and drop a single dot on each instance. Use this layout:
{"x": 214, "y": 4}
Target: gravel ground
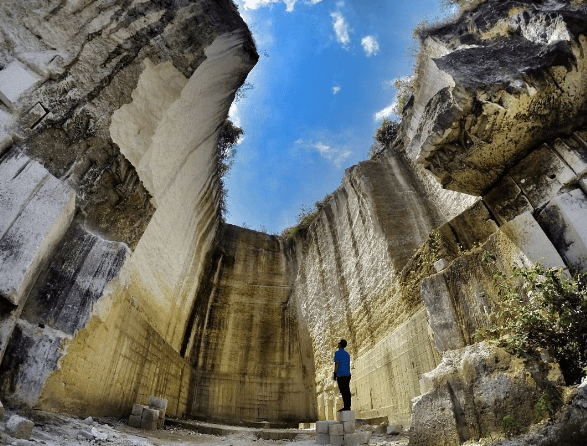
{"x": 60, "y": 430}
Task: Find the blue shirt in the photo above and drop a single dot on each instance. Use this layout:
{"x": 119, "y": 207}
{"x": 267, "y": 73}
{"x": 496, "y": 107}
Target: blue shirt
{"x": 344, "y": 362}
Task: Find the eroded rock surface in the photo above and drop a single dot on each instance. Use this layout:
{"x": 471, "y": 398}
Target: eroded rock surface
{"x": 132, "y": 286}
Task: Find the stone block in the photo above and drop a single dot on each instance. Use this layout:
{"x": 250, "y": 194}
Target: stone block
{"x": 34, "y": 116}
{"x": 574, "y": 152}
{"x": 346, "y": 415}
{"x": 137, "y": 409}
{"x": 506, "y": 200}
{"x": 322, "y": 427}
{"x": 353, "y": 439}
{"x": 525, "y": 232}
{"x": 157, "y": 403}
{"x": 337, "y": 440}
{"x": 348, "y": 427}
{"x": 541, "y": 175}
{"x": 440, "y": 264}
{"x": 19, "y": 427}
{"x": 365, "y": 437}
{"x": 473, "y": 226}
{"x": 161, "y": 405}
{"x": 150, "y": 419}
{"x": 15, "y": 79}
{"x": 134, "y": 421}
{"x": 394, "y": 429}
{"x": 336, "y": 429}
{"x": 31, "y": 228}
{"x": 563, "y": 220}
{"x": 381, "y": 428}
{"x": 322, "y": 439}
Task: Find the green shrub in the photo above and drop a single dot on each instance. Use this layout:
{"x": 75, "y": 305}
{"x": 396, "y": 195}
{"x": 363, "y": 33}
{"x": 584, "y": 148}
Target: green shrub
{"x": 306, "y": 216}
{"x": 228, "y": 139}
{"x": 510, "y": 426}
{"x": 541, "y": 308}
{"x": 542, "y": 406}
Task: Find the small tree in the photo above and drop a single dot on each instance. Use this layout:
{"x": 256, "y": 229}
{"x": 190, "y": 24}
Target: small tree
{"x": 229, "y": 137}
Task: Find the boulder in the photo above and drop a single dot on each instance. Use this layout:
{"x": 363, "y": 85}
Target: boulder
{"x": 19, "y": 427}
{"x": 473, "y": 389}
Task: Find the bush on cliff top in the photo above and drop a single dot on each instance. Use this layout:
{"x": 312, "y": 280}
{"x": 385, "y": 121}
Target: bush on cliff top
{"x": 229, "y": 137}
{"x": 306, "y": 216}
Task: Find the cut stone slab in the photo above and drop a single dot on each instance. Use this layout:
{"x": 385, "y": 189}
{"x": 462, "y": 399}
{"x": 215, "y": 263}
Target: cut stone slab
{"x": 525, "y": 232}
{"x": 34, "y": 116}
{"x": 134, "y": 421}
{"x": 137, "y": 409}
{"x": 150, "y": 419}
{"x": 394, "y": 429}
{"x": 574, "y": 152}
{"x": 321, "y": 427}
{"x": 19, "y": 427}
{"x": 322, "y": 439}
{"x": 506, "y": 200}
{"x": 563, "y": 220}
{"x": 353, "y": 439}
{"x": 336, "y": 429}
{"x": 348, "y": 427}
{"x": 541, "y": 175}
{"x": 337, "y": 440}
{"x": 15, "y": 79}
{"x": 346, "y": 415}
{"x": 35, "y": 211}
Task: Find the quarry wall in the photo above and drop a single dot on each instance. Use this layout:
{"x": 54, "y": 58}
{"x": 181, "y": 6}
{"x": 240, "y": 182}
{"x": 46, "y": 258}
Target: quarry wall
{"x": 118, "y": 279}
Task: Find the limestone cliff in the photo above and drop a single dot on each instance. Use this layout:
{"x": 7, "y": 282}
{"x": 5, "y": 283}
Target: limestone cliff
{"x": 118, "y": 279}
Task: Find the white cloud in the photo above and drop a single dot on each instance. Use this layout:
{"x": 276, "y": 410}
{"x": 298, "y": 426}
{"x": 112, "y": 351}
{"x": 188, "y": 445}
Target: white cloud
{"x": 335, "y": 155}
{"x": 290, "y": 5}
{"x": 370, "y": 45}
{"x": 235, "y": 116}
{"x": 341, "y": 29}
{"x": 335, "y": 89}
{"x": 256, "y": 4}
{"x": 386, "y": 112}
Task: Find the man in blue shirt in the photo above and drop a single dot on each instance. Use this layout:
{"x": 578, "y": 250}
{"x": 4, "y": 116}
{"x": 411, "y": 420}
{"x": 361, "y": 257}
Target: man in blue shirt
{"x": 342, "y": 374}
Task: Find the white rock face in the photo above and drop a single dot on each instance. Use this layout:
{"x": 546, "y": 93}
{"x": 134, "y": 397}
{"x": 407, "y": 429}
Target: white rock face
{"x": 15, "y": 79}
{"x": 179, "y": 170}
{"x": 564, "y": 220}
{"x": 533, "y": 243}
{"x": 133, "y": 125}
{"x": 36, "y": 211}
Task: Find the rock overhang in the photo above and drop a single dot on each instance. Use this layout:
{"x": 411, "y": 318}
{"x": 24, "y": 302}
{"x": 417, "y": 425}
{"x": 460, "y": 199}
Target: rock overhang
{"x": 516, "y": 80}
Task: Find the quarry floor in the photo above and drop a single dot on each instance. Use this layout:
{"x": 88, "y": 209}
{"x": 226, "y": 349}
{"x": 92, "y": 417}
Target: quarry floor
{"x": 61, "y": 430}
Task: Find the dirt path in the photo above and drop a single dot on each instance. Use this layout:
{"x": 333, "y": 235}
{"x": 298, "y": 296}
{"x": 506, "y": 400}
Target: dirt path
{"x": 61, "y": 430}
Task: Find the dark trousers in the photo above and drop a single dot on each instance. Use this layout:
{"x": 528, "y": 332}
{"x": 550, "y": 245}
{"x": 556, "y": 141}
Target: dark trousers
{"x": 344, "y": 385}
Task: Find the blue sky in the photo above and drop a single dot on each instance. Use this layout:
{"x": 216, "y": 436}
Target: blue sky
{"x": 318, "y": 96}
